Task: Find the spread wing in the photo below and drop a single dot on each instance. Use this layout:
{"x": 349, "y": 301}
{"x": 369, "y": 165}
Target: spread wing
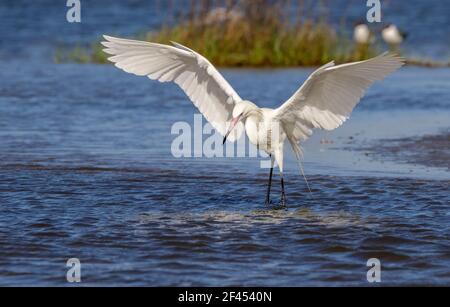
{"x": 197, "y": 77}
{"x": 330, "y": 94}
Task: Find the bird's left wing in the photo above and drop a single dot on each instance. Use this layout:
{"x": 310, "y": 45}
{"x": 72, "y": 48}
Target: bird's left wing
{"x": 197, "y": 77}
{"x": 328, "y": 97}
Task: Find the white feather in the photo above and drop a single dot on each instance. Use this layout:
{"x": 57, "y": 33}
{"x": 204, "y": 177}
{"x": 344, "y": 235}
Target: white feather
{"x": 197, "y": 77}
{"x": 330, "y": 94}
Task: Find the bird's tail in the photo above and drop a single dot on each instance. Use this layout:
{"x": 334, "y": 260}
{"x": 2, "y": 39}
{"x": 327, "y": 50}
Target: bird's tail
{"x": 299, "y": 155}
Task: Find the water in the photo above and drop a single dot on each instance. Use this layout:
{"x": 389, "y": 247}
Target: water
{"x": 86, "y": 171}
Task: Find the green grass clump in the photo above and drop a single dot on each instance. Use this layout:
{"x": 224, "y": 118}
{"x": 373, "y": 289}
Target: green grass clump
{"x": 81, "y": 54}
{"x": 275, "y": 45}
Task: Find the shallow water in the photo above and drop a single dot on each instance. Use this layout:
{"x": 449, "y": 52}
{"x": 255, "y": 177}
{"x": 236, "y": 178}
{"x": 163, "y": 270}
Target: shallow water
{"x": 86, "y": 171}
{"x": 428, "y": 150}
{"x": 153, "y": 228}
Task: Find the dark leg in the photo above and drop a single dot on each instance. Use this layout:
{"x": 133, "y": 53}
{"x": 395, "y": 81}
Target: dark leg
{"x": 268, "y": 188}
{"x": 283, "y": 194}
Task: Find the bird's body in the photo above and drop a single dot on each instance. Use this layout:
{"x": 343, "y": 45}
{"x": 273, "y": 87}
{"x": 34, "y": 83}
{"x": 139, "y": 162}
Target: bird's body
{"x": 392, "y": 35}
{"x": 324, "y": 101}
{"x": 258, "y": 128}
{"x": 263, "y": 131}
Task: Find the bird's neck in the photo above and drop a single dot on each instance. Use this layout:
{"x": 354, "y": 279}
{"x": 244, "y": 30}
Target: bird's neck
{"x": 255, "y": 116}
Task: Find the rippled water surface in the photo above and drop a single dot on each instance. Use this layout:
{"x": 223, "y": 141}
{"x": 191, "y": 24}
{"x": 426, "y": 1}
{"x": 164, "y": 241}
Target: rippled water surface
{"x": 86, "y": 171}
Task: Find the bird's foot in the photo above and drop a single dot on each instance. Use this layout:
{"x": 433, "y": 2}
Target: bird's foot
{"x": 279, "y": 207}
{"x": 283, "y": 202}
{"x": 276, "y": 207}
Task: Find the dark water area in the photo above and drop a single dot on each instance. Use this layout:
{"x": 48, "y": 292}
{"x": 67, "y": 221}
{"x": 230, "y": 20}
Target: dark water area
{"x": 157, "y": 227}
{"x": 87, "y": 172}
{"x": 428, "y": 150}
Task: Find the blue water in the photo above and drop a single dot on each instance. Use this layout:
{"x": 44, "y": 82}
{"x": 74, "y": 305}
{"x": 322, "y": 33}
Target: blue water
{"x": 86, "y": 171}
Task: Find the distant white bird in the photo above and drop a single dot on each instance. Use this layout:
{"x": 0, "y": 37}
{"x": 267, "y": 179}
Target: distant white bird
{"x": 362, "y": 34}
{"x": 325, "y": 100}
{"x": 392, "y": 35}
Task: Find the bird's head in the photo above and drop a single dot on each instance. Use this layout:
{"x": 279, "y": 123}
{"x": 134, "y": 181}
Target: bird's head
{"x": 241, "y": 111}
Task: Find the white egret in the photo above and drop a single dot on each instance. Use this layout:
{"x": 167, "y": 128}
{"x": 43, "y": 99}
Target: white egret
{"x": 325, "y": 100}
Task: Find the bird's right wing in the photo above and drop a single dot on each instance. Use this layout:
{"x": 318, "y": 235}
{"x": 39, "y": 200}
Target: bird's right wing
{"x": 329, "y": 95}
{"x": 197, "y": 77}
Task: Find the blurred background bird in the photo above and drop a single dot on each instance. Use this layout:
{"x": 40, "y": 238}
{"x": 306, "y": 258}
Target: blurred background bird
{"x": 392, "y": 36}
{"x": 362, "y": 34}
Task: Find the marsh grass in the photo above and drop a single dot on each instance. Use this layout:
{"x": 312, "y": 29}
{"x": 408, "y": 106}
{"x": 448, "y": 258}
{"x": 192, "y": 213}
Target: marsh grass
{"x": 250, "y": 33}
{"x": 243, "y": 43}
{"x": 81, "y": 54}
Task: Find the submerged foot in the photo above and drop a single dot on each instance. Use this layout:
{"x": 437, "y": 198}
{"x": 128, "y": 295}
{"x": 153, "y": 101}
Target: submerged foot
{"x": 281, "y": 206}
{"x": 283, "y": 202}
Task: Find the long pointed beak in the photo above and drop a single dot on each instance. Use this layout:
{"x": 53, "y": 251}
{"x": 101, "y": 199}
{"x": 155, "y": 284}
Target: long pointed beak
{"x": 233, "y": 124}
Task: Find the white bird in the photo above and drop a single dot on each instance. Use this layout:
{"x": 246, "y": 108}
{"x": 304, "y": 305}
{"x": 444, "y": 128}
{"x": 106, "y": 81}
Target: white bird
{"x": 392, "y": 35}
{"x": 362, "y": 34}
{"x": 324, "y": 101}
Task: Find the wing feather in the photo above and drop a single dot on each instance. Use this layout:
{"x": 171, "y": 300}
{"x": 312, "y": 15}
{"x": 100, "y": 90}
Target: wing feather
{"x": 195, "y": 75}
{"x": 328, "y": 97}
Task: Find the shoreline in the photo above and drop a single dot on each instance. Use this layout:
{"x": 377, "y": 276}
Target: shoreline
{"x": 80, "y": 55}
